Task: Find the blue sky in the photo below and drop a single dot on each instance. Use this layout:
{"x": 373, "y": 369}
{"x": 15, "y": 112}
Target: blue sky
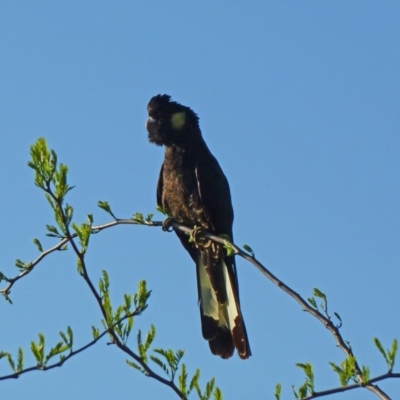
{"x": 299, "y": 101}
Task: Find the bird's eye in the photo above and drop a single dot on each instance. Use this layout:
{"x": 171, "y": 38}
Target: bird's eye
{"x": 153, "y": 113}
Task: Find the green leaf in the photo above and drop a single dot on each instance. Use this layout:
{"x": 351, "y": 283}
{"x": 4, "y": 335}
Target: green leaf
{"x": 60, "y": 182}
{"x": 209, "y": 388}
{"x": 38, "y": 244}
{"x": 346, "y": 371}
{"x": 63, "y": 337}
{"x": 68, "y": 212}
{"x": 7, "y": 298}
{"x": 95, "y": 332}
{"x": 319, "y": 294}
{"x": 249, "y": 249}
{"x": 44, "y": 163}
{"x": 217, "y": 394}
{"x": 70, "y": 336}
{"x": 107, "y": 306}
{"x": 10, "y": 361}
{"x": 278, "y": 391}
{"x": 138, "y": 218}
{"x": 53, "y": 232}
{"x": 38, "y": 350}
{"x": 350, "y": 368}
{"x": 336, "y": 368}
{"x": 303, "y": 391}
{"x": 127, "y": 329}
{"x": 4, "y": 278}
{"x": 164, "y": 211}
{"x": 106, "y": 207}
{"x": 141, "y": 348}
{"x": 83, "y": 232}
{"x": 182, "y": 379}
{"x": 128, "y": 302}
{"x": 388, "y": 355}
{"x": 392, "y": 354}
{"x": 149, "y": 217}
{"x": 172, "y": 358}
{"x": 137, "y": 366}
{"x": 178, "y": 356}
{"x": 79, "y": 266}
{"x": 312, "y": 301}
{"x": 140, "y": 298}
{"x": 52, "y": 180}
{"x": 338, "y": 317}
{"x": 381, "y": 349}
{"x": 198, "y": 390}
{"x": 101, "y": 287}
{"x": 308, "y": 370}
{"x": 20, "y": 360}
{"x": 106, "y": 280}
{"x": 57, "y": 349}
{"x": 20, "y": 264}
{"x": 194, "y": 382}
{"x": 161, "y": 365}
{"x": 229, "y": 249}
{"x": 365, "y": 373}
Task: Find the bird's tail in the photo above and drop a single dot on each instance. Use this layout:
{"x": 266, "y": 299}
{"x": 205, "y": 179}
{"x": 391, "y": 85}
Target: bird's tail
{"x": 221, "y": 318}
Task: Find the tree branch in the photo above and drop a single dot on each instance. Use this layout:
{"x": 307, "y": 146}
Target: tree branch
{"x": 113, "y": 334}
{"x": 354, "y": 386}
{"x": 70, "y": 355}
{"x": 325, "y": 320}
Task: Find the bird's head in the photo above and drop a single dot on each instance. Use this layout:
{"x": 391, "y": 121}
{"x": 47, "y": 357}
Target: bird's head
{"x": 171, "y": 123}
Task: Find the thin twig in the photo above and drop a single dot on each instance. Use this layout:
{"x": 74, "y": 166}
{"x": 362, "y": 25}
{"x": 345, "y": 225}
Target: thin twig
{"x": 388, "y": 375}
{"x": 70, "y": 355}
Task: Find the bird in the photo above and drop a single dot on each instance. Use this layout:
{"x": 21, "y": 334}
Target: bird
{"x": 193, "y": 190}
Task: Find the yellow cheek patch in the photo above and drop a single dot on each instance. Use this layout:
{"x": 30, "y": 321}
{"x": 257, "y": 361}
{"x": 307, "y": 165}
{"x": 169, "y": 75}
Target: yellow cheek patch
{"x": 178, "y": 120}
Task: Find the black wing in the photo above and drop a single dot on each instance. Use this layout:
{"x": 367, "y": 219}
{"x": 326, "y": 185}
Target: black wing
{"x": 160, "y": 185}
{"x": 214, "y": 193}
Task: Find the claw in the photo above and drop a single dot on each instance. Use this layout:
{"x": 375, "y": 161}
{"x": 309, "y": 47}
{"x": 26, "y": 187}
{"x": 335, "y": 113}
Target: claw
{"x": 167, "y": 224}
{"x": 198, "y": 239}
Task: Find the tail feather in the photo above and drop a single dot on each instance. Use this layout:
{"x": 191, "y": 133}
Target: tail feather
{"x": 222, "y": 345}
{"x": 221, "y": 318}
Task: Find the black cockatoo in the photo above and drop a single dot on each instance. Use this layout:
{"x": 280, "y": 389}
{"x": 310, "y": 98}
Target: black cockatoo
{"x": 193, "y": 189}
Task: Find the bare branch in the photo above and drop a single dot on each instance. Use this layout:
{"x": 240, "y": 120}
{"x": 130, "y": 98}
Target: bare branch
{"x": 354, "y": 386}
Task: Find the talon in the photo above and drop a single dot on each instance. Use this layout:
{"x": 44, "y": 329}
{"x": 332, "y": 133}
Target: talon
{"x": 200, "y": 241}
{"x": 167, "y": 224}
{"x": 196, "y": 235}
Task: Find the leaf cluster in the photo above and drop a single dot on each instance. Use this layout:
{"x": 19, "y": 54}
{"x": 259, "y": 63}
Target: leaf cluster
{"x": 169, "y": 361}
{"x": 38, "y": 350}
{"x": 117, "y": 322}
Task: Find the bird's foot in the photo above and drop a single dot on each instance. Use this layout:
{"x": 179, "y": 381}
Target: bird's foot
{"x": 198, "y": 238}
{"x": 167, "y": 224}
